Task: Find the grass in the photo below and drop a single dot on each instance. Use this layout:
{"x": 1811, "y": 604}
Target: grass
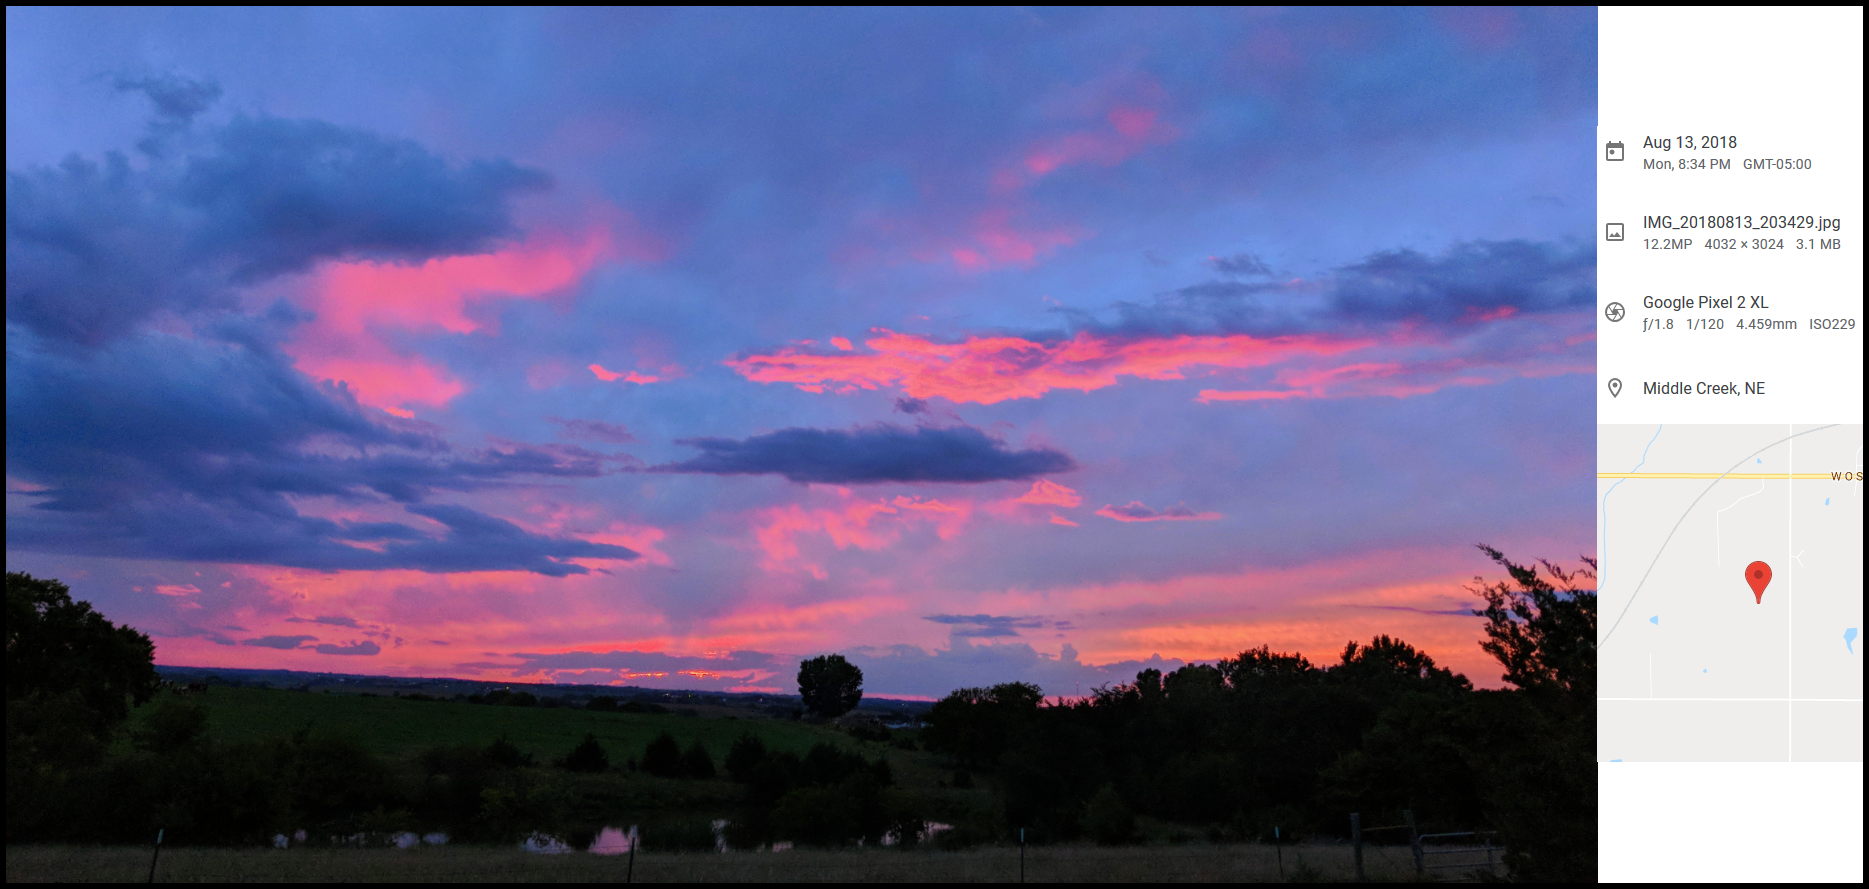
{"x": 399, "y": 730}
{"x": 1052, "y": 864}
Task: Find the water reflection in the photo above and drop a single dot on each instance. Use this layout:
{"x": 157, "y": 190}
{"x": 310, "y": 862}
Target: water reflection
{"x": 620, "y": 840}
{"x": 545, "y": 844}
{"x": 613, "y": 841}
{"x": 407, "y": 839}
{"x": 606, "y": 841}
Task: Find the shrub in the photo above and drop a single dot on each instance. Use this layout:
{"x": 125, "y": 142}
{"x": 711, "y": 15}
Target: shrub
{"x": 662, "y": 757}
{"x": 588, "y": 756}
{"x": 602, "y": 704}
{"x": 747, "y": 752}
{"x": 1107, "y": 819}
{"x": 696, "y": 763}
{"x": 505, "y": 754}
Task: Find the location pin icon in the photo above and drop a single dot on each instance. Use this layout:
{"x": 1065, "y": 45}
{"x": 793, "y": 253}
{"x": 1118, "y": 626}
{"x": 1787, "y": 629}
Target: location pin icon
{"x": 1758, "y": 574}
{"x": 1615, "y": 387}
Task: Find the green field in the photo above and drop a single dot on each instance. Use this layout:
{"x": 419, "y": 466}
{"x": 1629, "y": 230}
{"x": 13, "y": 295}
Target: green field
{"x": 399, "y": 730}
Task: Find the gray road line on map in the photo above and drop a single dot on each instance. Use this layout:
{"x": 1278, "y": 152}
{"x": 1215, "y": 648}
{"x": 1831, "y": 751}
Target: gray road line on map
{"x": 1683, "y": 518}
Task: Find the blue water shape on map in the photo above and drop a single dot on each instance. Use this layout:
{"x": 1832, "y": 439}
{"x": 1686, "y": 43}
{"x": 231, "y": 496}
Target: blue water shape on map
{"x": 1849, "y": 639}
{"x": 1656, "y": 620}
{"x": 1826, "y": 501}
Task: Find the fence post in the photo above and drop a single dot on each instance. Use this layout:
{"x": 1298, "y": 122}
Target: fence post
{"x": 1356, "y": 842}
{"x": 629, "y": 876}
{"x": 1021, "y": 854}
{"x": 1414, "y": 842}
{"x": 153, "y": 858}
{"x": 1278, "y": 846}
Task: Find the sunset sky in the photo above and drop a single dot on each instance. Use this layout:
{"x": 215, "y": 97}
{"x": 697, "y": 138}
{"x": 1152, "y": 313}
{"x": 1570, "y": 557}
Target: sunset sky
{"x": 666, "y": 347}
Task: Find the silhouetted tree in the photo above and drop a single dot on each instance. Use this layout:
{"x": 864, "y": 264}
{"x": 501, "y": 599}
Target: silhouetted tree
{"x": 57, "y": 647}
{"x": 973, "y": 724}
{"x": 602, "y": 704}
{"x": 1542, "y": 631}
{"x": 830, "y": 685}
{"x": 505, "y": 754}
{"x": 1107, "y": 819}
{"x": 696, "y": 763}
{"x": 588, "y": 756}
{"x": 747, "y": 752}
{"x": 1537, "y": 746}
{"x": 662, "y": 757}
{"x": 71, "y": 676}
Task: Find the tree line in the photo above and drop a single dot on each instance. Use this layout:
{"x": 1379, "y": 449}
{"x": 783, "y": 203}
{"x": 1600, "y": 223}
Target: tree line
{"x": 1225, "y": 751}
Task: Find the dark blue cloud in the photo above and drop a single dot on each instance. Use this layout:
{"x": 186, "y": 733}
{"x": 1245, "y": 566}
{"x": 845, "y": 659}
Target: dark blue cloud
{"x": 362, "y": 648}
{"x": 1468, "y": 283}
{"x": 177, "y": 99}
{"x": 867, "y": 454}
{"x": 93, "y": 250}
{"x": 1241, "y": 264}
{"x": 593, "y": 430}
{"x": 172, "y": 447}
{"x": 328, "y": 620}
{"x": 193, "y": 444}
{"x": 986, "y": 626}
{"x": 280, "y": 194}
{"x": 281, "y": 642}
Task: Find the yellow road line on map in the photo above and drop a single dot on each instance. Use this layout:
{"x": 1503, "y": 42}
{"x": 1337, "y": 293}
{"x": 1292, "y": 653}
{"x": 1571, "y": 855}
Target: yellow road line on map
{"x": 1809, "y": 476}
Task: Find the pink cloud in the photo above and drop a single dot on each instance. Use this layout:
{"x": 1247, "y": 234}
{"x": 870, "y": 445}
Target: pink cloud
{"x": 991, "y": 369}
{"x": 354, "y": 304}
{"x": 1049, "y": 493}
{"x": 1136, "y": 512}
{"x": 1125, "y": 132}
{"x": 1057, "y": 519}
{"x": 386, "y": 380}
{"x": 355, "y": 295}
{"x": 995, "y": 240}
{"x": 1531, "y": 348}
{"x": 629, "y": 376}
{"x": 863, "y": 524}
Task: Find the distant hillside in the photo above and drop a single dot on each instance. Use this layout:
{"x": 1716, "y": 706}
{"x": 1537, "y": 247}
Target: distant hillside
{"x": 548, "y": 694}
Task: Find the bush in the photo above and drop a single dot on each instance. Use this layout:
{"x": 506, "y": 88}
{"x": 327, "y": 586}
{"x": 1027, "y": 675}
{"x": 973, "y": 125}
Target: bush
{"x": 869, "y": 731}
{"x": 662, "y": 757}
{"x": 747, "y": 752}
{"x": 1108, "y": 820}
{"x": 696, "y": 763}
{"x": 588, "y": 756}
{"x": 602, "y": 704}
{"x": 505, "y": 754}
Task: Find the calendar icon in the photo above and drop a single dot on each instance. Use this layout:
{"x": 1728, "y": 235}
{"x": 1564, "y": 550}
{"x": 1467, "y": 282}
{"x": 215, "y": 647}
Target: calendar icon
{"x": 1612, "y": 151}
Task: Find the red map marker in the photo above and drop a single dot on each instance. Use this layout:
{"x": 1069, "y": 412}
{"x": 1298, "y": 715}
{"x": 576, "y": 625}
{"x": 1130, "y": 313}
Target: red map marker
{"x": 1758, "y": 574}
